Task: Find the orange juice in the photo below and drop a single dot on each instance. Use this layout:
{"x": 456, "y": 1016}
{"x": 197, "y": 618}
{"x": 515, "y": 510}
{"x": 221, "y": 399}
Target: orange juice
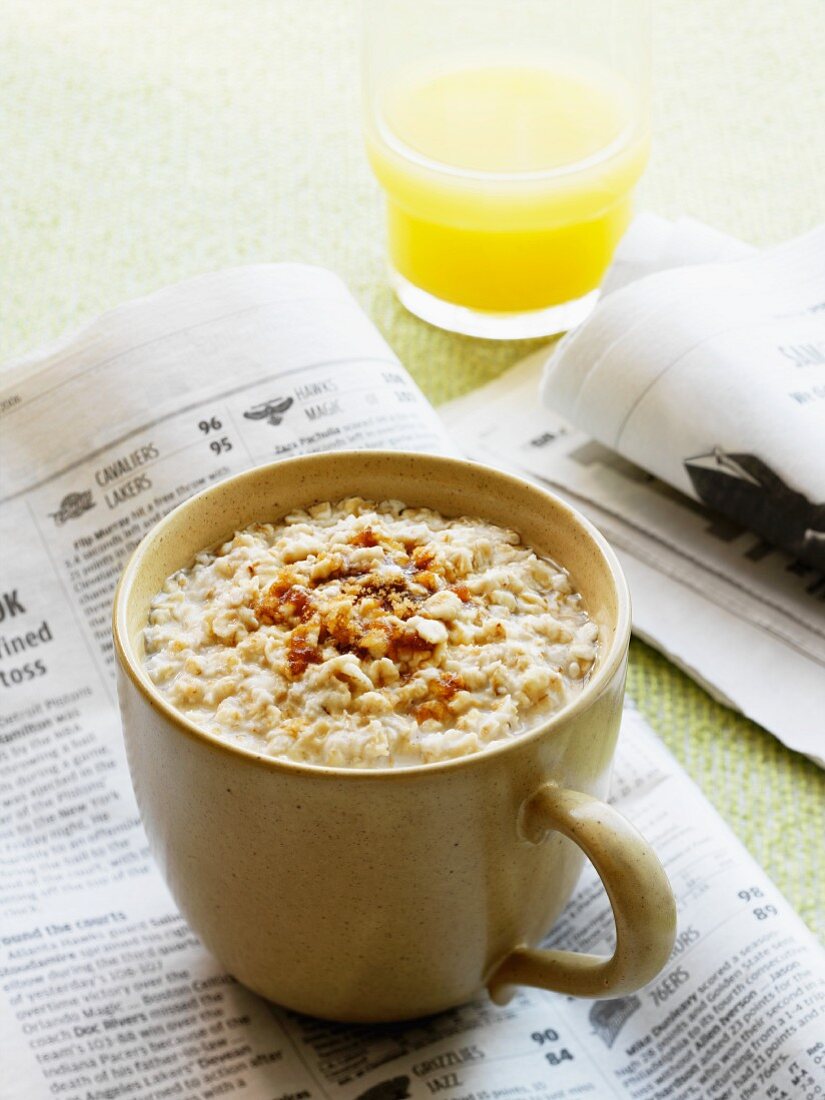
{"x": 508, "y": 186}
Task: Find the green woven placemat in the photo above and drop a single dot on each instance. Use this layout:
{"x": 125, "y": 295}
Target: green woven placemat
{"x": 146, "y": 141}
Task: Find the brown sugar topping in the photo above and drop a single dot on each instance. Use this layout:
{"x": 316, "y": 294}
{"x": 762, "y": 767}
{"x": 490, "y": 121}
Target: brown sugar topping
{"x": 447, "y": 685}
{"x": 367, "y": 537}
{"x": 361, "y": 608}
{"x": 442, "y": 690}
{"x": 392, "y": 594}
{"x": 422, "y": 557}
{"x": 301, "y": 652}
{"x": 284, "y": 601}
{"x": 433, "y": 708}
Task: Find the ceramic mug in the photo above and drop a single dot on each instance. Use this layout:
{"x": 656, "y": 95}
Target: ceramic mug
{"x": 369, "y": 895}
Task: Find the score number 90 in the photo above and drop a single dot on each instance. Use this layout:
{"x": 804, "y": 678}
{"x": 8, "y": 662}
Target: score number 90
{"x": 552, "y": 1057}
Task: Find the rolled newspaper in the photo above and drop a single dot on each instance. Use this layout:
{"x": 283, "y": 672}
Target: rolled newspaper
{"x": 704, "y": 363}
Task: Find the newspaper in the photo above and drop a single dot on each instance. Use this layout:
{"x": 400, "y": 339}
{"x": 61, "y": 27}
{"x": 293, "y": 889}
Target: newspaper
{"x": 711, "y": 377}
{"x": 104, "y": 991}
{"x": 738, "y": 614}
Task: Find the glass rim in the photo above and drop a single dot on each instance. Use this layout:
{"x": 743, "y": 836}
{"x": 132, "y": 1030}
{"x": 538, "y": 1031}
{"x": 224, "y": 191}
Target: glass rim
{"x": 391, "y": 140}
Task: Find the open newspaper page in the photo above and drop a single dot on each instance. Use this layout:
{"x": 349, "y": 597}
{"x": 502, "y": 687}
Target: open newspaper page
{"x": 104, "y": 991}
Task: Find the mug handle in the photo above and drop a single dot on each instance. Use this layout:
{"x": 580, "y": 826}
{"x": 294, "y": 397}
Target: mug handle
{"x": 643, "y": 905}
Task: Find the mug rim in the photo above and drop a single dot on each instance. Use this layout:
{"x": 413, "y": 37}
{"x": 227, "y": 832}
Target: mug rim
{"x": 604, "y": 673}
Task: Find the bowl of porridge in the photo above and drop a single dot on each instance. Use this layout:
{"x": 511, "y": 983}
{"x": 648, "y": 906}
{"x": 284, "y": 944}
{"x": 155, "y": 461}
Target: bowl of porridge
{"x": 369, "y": 699}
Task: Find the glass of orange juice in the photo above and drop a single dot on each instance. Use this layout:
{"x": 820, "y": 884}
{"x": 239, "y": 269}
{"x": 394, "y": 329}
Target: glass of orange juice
{"x": 508, "y": 136}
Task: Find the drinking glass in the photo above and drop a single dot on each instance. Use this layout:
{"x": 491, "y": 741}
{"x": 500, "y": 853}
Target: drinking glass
{"x": 508, "y": 136}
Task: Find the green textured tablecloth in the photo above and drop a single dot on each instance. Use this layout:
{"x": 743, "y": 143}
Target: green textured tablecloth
{"x": 142, "y": 141}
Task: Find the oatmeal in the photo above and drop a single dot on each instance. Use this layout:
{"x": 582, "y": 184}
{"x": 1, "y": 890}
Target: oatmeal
{"x": 358, "y": 634}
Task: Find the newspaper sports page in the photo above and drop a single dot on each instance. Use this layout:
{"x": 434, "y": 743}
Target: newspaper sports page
{"x": 104, "y": 991}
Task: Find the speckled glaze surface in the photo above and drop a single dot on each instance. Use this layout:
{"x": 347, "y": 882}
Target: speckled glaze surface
{"x": 389, "y": 894}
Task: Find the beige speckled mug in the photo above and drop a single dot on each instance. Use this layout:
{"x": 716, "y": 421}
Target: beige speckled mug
{"x": 388, "y": 894}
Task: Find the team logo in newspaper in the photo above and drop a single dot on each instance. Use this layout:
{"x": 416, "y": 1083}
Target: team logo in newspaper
{"x": 609, "y": 1017}
{"x": 272, "y": 411}
{"x": 397, "y": 1088}
{"x": 72, "y": 506}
